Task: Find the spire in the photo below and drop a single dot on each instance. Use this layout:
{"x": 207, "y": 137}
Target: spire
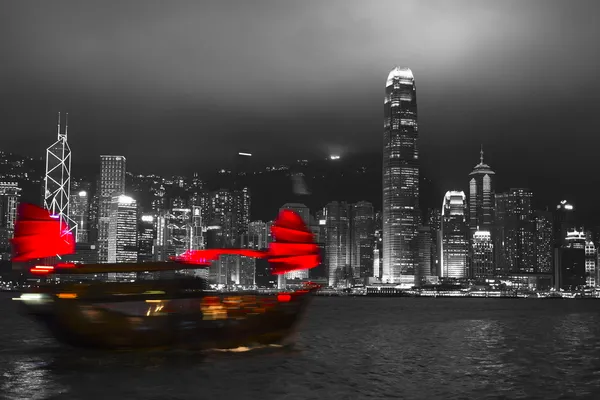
{"x": 67, "y": 125}
{"x": 481, "y": 154}
{"x": 58, "y": 128}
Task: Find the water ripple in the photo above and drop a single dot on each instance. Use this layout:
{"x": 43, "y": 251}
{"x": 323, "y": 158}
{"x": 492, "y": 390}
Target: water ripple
{"x": 347, "y": 349}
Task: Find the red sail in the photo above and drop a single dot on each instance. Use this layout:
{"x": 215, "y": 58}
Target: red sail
{"x": 38, "y": 235}
{"x": 293, "y": 249}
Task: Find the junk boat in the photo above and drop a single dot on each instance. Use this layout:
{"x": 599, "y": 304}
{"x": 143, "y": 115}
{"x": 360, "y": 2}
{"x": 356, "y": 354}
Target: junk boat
{"x": 163, "y": 313}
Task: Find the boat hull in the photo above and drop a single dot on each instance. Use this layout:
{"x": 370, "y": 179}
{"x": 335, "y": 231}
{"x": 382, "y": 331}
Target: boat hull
{"x": 224, "y": 322}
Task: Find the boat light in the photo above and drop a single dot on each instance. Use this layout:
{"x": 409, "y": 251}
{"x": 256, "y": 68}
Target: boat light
{"x": 42, "y": 269}
{"x": 284, "y": 297}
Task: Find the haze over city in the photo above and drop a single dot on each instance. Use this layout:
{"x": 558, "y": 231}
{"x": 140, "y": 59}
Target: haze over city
{"x": 288, "y": 80}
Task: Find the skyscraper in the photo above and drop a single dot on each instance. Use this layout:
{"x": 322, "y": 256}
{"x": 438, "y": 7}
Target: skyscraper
{"x": 78, "y": 211}
{"x": 564, "y": 221}
{"x": 424, "y": 247}
{"x": 9, "y": 199}
{"x": 482, "y": 260}
{"x": 112, "y": 183}
{"x": 543, "y": 240}
{"x": 57, "y": 181}
{"x": 337, "y": 242}
{"x": 481, "y": 197}
{"x": 122, "y": 233}
{"x": 519, "y": 231}
{"x": 400, "y": 175}
{"x": 363, "y": 239}
{"x": 454, "y": 233}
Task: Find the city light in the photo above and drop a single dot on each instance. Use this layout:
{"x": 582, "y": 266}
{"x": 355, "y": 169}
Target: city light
{"x": 125, "y": 199}
{"x": 147, "y": 218}
{"x": 245, "y": 154}
{"x": 334, "y": 157}
{"x": 83, "y": 193}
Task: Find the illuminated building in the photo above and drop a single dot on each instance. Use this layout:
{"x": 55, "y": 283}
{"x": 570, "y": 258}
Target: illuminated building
{"x": 258, "y": 235}
{"x": 499, "y": 239}
{"x": 519, "y": 232}
{"x": 230, "y": 209}
{"x": 570, "y": 261}
{"x": 179, "y": 231}
{"x": 112, "y": 183}
{"x": 362, "y": 239}
{"x": 57, "y": 181}
{"x": 377, "y": 261}
{"x": 424, "y": 254}
{"x": 258, "y": 238}
{"x": 564, "y": 221}
{"x": 544, "y": 242}
{"x": 256, "y": 271}
{"x": 197, "y": 226}
{"x": 435, "y": 225}
{"x": 337, "y": 242}
{"x": 400, "y": 176}
{"x": 174, "y": 234}
{"x": 146, "y": 238}
{"x": 481, "y": 197}
{"x": 454, "y": 234}
{"x": 122, "y": 234}
{"x": 9, "y": 200}
{"x": 78, "y": 211}
{"x": 482, "y": 255}
{"x": 591, "y": 258}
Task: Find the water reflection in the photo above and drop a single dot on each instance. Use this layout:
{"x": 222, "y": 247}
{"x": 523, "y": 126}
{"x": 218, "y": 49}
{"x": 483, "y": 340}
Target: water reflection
{"x": 29, "y": 379}
{"x": 347, "y": 348}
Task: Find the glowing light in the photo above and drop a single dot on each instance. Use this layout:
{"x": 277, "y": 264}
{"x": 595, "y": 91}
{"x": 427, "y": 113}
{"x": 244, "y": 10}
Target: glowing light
{"x": 322, "y": 222}
{"x": 147, "y": 218}
{"x": 125, "y": 199}
{"x": 67, "y": 296}
{"x": 284, "y": 297}
{"x": 402, "y": 73}
{"x": 83, "y": 193}
{"x": 334, "y": 157}
{"x": 245, "y": 154}
{"x": 568, "y": 207}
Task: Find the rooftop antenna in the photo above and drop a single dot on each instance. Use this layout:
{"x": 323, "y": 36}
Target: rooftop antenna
{"x": 481, "y": 154}
{"x": 58, "y": 128}
{"x": 66, "y": 124}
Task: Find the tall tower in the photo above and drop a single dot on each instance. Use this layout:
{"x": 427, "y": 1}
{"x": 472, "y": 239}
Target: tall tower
{"x": 362, "y": 239}
{"x": 481, "y": 197}
{"x": 337, "y": 242}
{"x": 112, "y": 183}
{"x": 57, "y": 182}
{"x": 454, "y": 242}
{"x": 400, "y": 175}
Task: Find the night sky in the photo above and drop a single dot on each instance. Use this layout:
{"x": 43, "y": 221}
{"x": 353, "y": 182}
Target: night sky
{"x": 172, "y": 84}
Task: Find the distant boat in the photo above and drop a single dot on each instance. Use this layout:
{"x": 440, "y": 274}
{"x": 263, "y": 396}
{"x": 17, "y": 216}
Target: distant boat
{"x": 180, "y": 313}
